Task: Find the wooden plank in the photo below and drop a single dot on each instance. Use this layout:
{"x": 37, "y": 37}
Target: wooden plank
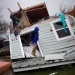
{"x": 9, "y": 10}
{"x": 35, "y": 9}
{"x": 24, "y": 16}
{"x": 18, "y": 4}
{"x": 24, "y": 13}
{"x": 28, "y": 51}
{"x": 31, "y": 6}
{"x": 34, "y": 6}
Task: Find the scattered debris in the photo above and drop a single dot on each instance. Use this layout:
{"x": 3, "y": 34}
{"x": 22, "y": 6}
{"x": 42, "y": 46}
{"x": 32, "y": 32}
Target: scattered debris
{"x": 53, "y": 73}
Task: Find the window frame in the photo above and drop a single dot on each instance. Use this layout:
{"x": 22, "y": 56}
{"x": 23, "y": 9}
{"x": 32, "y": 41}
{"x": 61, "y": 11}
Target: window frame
{"x": 68, "y": 26}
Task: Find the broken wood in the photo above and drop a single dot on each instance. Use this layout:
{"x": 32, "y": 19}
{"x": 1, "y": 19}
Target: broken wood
{"x": 18, "y": 4}
{"x": 36, "y": 9}
{"x": 34, "y": 6}
{"x": 24, "y": 16}
{"x": 9, "y": 10}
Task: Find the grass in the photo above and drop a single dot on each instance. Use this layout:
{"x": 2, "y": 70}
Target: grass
{"x": 61, "y": 70}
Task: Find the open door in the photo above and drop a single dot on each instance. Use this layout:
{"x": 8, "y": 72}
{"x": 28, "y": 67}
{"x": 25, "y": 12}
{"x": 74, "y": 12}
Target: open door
{"x": 16, "y": 50}
{"x": 28, "y": 46}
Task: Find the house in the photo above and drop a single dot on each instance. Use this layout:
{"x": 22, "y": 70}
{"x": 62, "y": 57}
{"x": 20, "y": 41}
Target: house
{"x": 55, "y": 47}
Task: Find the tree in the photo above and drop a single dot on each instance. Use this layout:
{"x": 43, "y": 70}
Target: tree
{"x": 3, "y": 23}
{"x": 0, "y": 12}
{"x": 63, "y": 8}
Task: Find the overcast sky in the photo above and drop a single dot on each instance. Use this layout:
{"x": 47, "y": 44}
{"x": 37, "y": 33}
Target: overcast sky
{"x": 52, "y": 5}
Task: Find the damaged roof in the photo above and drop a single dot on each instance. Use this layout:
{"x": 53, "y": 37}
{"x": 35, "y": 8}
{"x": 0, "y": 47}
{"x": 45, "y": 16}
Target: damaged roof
{"x": 37, "y": 12}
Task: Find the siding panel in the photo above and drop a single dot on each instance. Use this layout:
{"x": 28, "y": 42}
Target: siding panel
{"x": 16, "y": 49}
{"x": 48, "y": 42}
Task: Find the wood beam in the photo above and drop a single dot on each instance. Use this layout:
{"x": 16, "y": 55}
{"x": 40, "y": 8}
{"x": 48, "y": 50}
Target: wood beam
{"x": 36, "y": 9}
{"x": 24, "y": 15}
{"x": 18, "y": 4}
{"x": 34, "y": 6}
{"x": 9, "y": 10}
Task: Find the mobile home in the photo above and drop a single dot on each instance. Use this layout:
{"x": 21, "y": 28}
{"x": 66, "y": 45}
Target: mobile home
{"x": 55, "y": 47}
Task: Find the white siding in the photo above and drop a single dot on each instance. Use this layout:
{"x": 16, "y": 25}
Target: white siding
{"x": 48, "y": 42}
{"x": 16, "y": 49}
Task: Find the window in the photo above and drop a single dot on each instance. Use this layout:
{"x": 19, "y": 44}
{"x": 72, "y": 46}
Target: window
{"x": 58, "y": 30}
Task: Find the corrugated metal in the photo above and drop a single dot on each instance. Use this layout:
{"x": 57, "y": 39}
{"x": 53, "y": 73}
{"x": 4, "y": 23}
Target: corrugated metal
{"x": 48, "y": 42}
{"x": 16, "y": 49}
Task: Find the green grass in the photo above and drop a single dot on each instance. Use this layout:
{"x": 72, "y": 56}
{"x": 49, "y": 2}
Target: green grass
{"x": 61, "y": 70}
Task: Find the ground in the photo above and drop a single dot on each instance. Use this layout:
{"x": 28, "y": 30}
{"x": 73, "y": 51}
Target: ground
{"x": 61, "y": 70}
{"x": 5, "y": 58}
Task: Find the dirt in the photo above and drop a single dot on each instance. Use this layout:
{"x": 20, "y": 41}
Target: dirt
{"x": 8, "y": 72}
{"x": 5, "y": 58}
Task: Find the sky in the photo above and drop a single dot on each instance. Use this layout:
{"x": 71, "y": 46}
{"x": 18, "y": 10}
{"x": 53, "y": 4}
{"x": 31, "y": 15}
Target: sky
{"x": 52, "y": 5}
